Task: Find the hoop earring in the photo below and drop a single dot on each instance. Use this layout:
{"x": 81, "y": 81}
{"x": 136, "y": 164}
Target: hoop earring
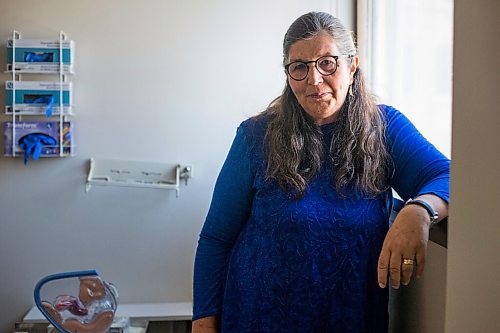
{"x": 350, "y": 91}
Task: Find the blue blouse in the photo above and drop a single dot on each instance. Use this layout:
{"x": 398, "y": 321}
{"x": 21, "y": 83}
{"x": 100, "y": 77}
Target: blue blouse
{"x": 269, "y": 263}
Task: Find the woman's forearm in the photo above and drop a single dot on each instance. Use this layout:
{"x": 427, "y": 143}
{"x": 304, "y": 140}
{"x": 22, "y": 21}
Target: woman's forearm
{"x": 437, "y": 203}
{"x": 206, "y": 325}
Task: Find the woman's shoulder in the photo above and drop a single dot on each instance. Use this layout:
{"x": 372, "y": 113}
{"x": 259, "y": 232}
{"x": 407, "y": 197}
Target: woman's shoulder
{"x": 389, "y": 112}
{"x": 394, "y": 118}
{"x": 256, "y": 126}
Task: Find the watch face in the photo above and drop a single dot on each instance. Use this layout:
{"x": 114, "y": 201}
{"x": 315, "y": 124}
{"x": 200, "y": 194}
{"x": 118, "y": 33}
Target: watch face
{"x": 432, "y": 213}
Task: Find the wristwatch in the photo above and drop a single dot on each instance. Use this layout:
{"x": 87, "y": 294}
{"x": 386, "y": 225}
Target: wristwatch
{"x": 432, "y": 213}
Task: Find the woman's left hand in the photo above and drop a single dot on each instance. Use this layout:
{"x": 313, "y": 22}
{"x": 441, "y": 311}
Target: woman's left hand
{"x": 404, "y": 247}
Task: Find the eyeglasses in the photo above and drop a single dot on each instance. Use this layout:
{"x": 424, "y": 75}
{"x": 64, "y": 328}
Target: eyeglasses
{"x": 298, "y": 70}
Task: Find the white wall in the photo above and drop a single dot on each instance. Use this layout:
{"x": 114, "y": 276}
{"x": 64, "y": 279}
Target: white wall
{"x": 473, "y": 288}
{"x": 155, "y": 80}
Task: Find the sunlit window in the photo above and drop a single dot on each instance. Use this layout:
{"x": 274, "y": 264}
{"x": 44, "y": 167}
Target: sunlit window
{"x": 410, "y": 62}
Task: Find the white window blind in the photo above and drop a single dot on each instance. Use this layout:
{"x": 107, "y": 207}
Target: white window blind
{"x": 408, "y": 50}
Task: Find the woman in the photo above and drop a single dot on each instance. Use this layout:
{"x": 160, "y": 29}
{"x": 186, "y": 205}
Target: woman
{"x": 297, "y": 237}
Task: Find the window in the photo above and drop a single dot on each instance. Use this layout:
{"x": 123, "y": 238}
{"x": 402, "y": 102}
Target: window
{"x": 408, "y": 45}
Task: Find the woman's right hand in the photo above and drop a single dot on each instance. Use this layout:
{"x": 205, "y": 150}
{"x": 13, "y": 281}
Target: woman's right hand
{"x": 206, "y": 325}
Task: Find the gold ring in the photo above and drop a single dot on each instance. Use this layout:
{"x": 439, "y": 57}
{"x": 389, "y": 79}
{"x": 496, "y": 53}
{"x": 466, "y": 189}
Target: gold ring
{"x": 408, "y": 261}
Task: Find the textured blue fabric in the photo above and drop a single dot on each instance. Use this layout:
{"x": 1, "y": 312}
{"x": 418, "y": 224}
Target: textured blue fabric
{"x": 269, "y": 263}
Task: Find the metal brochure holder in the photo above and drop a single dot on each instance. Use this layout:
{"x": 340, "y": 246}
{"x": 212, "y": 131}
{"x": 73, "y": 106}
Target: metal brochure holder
{"x": 15, "y": 36}
{"x": 137, "y": 174}
{"x": 59, "y": 68}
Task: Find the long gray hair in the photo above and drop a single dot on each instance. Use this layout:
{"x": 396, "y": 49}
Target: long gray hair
{"x": 294, "y": 142}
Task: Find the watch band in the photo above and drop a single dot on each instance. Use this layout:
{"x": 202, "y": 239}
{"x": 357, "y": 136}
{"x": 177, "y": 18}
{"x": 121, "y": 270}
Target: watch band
{"x": 432, "y": 213}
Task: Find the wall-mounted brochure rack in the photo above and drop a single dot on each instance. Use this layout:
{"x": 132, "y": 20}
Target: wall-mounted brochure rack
{"x": 52, "y": 99}
{"x": 137, "y": 174}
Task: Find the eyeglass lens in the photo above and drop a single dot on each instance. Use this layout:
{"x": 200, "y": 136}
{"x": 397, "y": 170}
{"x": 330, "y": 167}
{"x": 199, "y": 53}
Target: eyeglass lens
{"x": 298, "y": 70}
